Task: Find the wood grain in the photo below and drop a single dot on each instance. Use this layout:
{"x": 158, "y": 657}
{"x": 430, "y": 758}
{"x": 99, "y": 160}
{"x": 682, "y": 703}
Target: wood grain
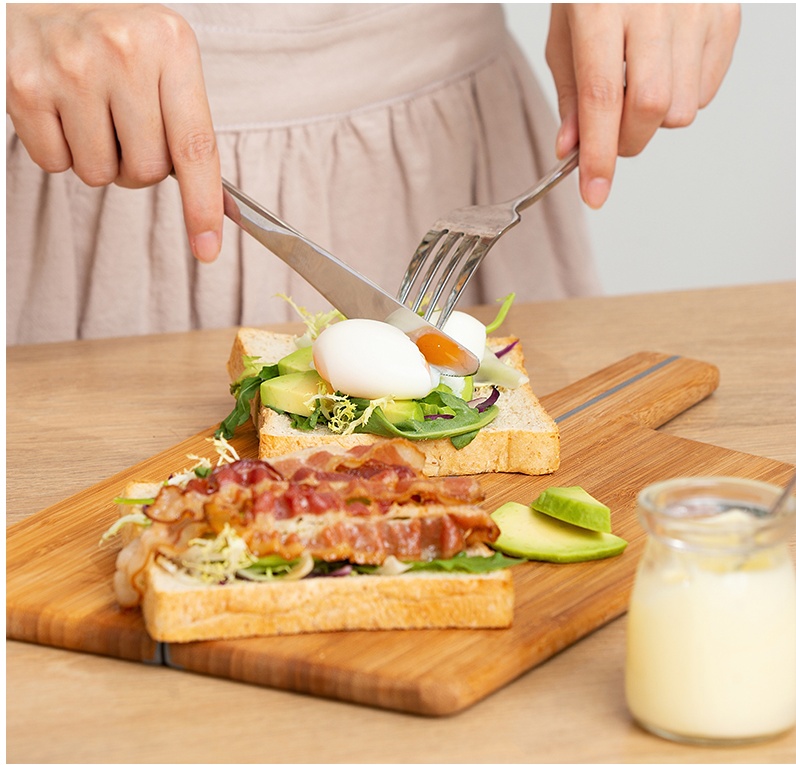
{"x": 608, "y": 446}
{"x": 81, "y": 412}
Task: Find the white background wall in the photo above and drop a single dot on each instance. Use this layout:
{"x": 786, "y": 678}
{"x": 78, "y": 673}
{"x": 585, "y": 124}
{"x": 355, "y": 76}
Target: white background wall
{"x": 714, "y": 203}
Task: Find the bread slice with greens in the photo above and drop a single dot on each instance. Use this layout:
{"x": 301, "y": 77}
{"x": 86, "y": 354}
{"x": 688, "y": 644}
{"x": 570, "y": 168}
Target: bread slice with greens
{"x": 515, "y": 433}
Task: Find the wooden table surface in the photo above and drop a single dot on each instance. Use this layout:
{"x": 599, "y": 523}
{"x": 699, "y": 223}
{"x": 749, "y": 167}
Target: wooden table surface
{"x": 80, "y": 412}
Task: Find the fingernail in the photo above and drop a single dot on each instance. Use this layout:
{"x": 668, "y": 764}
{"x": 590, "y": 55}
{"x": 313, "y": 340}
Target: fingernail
{"x": 596, "y": 193}
{"x": 206, "y": 246}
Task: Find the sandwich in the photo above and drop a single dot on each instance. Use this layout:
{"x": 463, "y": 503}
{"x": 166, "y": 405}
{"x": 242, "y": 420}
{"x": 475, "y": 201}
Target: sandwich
{"x": 354, "y": 382}
{"x": 324, "y": 539}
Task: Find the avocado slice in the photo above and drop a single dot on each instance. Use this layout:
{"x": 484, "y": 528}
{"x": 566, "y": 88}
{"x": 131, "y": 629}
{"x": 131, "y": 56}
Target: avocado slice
{"x": 526, "y": 533}
{"x": 298, "y": 361}
{"x": 575, "y": 505}
{"x": 401, "y": 410}
{"x": 291, "y": 392}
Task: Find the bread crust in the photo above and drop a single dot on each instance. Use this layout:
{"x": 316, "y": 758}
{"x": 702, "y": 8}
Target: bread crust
{"x": 523, "y": 438}
{"x": 177, "y": 610}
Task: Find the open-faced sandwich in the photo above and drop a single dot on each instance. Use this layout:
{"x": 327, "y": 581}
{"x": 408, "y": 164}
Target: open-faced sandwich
{"x": 321, "y": 540}
{"x": 362, "y": 511}
{"x": 357, "y": 382}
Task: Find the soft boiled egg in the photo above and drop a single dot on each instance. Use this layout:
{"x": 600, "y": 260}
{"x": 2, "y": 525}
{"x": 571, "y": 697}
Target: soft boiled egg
{"x": 370, "y": 359}
{"x": 465, "y": 330}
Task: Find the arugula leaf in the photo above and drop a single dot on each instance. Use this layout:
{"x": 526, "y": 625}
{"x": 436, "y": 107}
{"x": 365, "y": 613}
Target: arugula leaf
{"x": 459, "y": 442}
{"x": 244, "y": 389}
{"x": 461, "y": 429}
{"x": 273, "y": 566}
{"x": 267, "y": 567}
{"x": 470, "y": 564}
{"x": 299, "y": 421}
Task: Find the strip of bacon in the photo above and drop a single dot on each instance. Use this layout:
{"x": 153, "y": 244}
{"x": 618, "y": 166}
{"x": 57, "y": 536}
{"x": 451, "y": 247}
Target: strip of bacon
{"x": 368, "y": 541}
{"x": 409, "y": 518}
{"x": 363, "y": 505}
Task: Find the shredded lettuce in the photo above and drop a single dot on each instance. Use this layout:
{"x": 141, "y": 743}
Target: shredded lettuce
{"x": 216, "y": 559}
{"x": 134, "y": 518}
{"x": 501, "y": 315}
{"x": 202, "y": 466}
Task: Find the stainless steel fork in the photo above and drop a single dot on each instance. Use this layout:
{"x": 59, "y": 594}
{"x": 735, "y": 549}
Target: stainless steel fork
{"x": 466, "y": 235}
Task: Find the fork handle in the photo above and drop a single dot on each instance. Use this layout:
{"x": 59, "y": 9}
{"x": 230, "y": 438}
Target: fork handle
{"x": 555, "y": 176}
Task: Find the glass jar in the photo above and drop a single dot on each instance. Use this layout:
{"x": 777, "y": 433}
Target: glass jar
{"x": 711, "y": 644}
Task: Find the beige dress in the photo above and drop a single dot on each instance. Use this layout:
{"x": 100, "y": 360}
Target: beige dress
{"x": 358, "y": 124}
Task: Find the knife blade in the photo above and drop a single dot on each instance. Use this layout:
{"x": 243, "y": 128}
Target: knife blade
{"x": 351, "y": 293}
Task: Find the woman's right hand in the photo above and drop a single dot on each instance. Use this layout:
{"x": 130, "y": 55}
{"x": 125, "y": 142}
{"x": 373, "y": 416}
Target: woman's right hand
{"x": 116, "y": 92}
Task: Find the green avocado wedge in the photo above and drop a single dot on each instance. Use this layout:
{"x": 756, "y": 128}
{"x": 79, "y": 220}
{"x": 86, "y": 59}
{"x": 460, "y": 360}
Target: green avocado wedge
{"x": 298, "y": 361}
{"x": 527, "y": 533}
{"x": 574, "y": 505}
{"x": 292, "y": 392}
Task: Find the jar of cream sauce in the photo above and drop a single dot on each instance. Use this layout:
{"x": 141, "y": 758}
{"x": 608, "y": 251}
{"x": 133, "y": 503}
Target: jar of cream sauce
{"x": 711, "y": 645}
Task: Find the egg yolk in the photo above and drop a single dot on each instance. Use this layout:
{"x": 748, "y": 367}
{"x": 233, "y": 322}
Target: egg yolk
{"x": 438, "y": 349}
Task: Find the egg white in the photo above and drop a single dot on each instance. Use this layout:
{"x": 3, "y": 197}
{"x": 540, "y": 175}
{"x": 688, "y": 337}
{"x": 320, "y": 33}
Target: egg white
{"x": 370, "y": 359}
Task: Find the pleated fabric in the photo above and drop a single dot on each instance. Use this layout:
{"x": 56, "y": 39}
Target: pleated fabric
{"x": 357, "y": 124}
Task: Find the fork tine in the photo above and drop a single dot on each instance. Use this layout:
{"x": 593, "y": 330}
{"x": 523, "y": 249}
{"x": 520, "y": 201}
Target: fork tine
{"x": 466, "y": 244}
{"x": 471, "y": 265}
{"x": 421, "y": 253}
{"x": 436, "y": 261}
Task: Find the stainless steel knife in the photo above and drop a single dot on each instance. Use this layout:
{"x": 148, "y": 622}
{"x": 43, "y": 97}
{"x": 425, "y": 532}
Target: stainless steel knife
{"x": 355, "y": 296}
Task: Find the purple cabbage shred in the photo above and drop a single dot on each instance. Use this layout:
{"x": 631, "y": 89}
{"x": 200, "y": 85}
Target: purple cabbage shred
{"x": 482, "y": 404}
{"x": 504, "y": 351}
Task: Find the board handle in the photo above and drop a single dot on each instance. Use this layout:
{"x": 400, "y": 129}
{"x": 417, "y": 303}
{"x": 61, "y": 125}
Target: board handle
{"x": 648, "y": 388}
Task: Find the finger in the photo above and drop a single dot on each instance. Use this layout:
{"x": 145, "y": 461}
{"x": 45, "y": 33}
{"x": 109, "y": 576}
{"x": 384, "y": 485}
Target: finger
{"x": 688, "y": 49}
{"x": 558, "y": 53}
{"x": 89, "y": 131}
{"x": 598, "y": 50}
{"x": 34, "y": 116}
{"x": 43, "y": 138}
{"x": 717, "y": 55}
{"x": 193, "y": 150}
{"x": 648, "y": 76}
{"x": 144, "y": 153}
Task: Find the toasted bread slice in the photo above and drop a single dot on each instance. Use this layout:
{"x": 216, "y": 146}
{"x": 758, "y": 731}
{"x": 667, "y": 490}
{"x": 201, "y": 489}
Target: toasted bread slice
{"x": 177, "y": 609}
{"x": 523, "y": 438}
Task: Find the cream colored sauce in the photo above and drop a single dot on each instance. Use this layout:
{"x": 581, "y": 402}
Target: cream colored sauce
{"x": 712, "y": 645}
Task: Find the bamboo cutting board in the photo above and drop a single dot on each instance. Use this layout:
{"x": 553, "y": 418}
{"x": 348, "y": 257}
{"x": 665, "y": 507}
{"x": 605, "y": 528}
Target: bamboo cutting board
{"x": 59, "y": 589}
